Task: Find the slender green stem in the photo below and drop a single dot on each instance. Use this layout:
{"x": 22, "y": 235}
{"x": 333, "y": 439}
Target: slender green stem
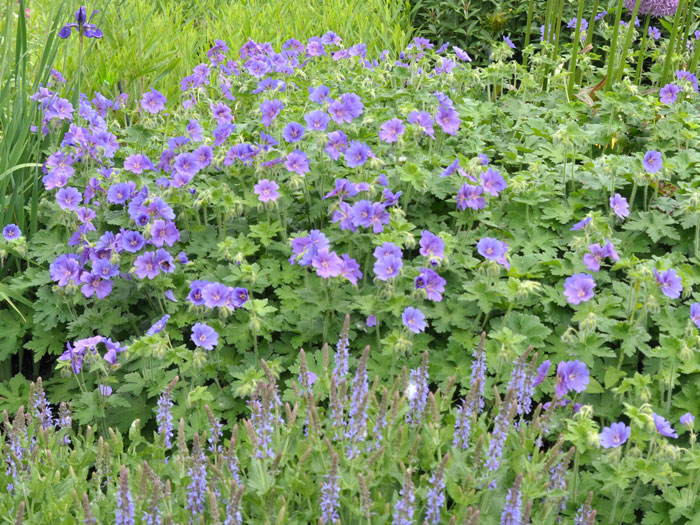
{"x": 628, "y": 41}
{"x": 642, "y": 51}
{"x": 574, "y": 51}
{"x": 530, "y": 9}
{"x": 672, "y": 43}
{"x": 613, "y": 47}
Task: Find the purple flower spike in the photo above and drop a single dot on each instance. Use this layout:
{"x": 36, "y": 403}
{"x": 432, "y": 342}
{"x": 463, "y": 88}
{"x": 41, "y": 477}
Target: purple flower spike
{"x": 579, "y": 288}
{"x": 670, "y": 282}
{"x": 614, "y": 435}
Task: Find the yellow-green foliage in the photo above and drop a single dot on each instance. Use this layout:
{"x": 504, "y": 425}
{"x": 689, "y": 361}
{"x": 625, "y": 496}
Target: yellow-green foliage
{"x": 157, "y": 42}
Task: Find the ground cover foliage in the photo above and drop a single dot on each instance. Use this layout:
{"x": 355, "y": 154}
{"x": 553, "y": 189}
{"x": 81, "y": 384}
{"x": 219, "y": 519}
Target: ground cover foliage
{"x": 516, "y": 257}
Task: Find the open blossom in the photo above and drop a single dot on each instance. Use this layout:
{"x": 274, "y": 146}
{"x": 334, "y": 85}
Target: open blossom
{"x": 571, "y": 375}
{"x": 153, "y": 101}
{"x": 579, "y": 288}
{"x": 11, "y": 232}
{"x": 267, "y": 190}
{"x": 596, "y": 254}
{"x": 391, "y": 130}
{"x": 413, "y": 319}
{"x": 620, "y": 206}
{"x": 670, "y": 282}
{"x": 293, "y": 132}
{"x": 298, "y": 162}
{"x": 614, "y": 435}
{"x": 581, "y": 224}
{"x": 204, "y": 336}
{"x": 327, "y": 264}
{"x": 669, "y": 93}
{"x": 663, "y": 427}
{"x": 493, "y": 182}
{"x": 493, "y": 250}
{"x": 357, "y": 154}
{"x": 695, "y": 314}
{"x": 652, "y": 161}
{"x": 448, "y": 119}
{"x": 431, "y": 245}
{"x": 469, "y": 196}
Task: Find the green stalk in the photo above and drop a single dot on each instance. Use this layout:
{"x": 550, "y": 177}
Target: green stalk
{"x": 613, "y": 48}
{"x": 628, "y": 41}
{"x": 530, "y": 9}
{"x": 547, "y": 21}
{"x": 642, "y": 52}
{"x": 591, "y": 24}
{"x": 574, "y": 51}
{"x": 671, "y": 43}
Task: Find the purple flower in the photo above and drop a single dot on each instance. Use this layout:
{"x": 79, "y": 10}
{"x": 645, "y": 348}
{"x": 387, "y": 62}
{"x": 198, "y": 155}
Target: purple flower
{"x": 205, "y": 336}
{"x": 670, "y": 282}
{"x": 652, "y": 161}
{"x": 387, "y": 267}
{"x": 688, "y": 420}
{"x": 461, "y": 54}
{"x": 270, "y": 109}
{"x": 579, "y": 288}
{"x": 655, "y": 34}
{"x": 95, "y": 285}
{"x": 68, "y": 198}
{"x": 357, "y": 154}
{"x": 318, "y": 94}
{"x": 508, "y": 41}
{"x": 153, "y": 101}
{"x": 82, "y": 25}
{"x": 391, "y": 130}
{"x": 132, "y": 241}
{"x": 614, "y": 435}
{"x": 571, "y": 375}
{"x": 124, "y": 512}
{"x": 657, "y": 8}
{"x": 581, "y": 224}
{"x": 317, "y": 120}
{"x": 413, "y": 319}
{"x": 469, "y": 196}
{"x": 214, "y": 295}
{"x": 371, "y": 321}
{"x": 448, "y": 119}
{"x": 350, "y": 269}
{"x": 620, "y": 206}
{"x": 404, "y": 507}
{"x": 298, "y": 162}
{"x": 65, "y": 269}
{"x": 146, "y": 265}
{"x": 492, "y": 182}
{"x": 542, "y": 372}
{"x": 431, "y": 245}
{"x": 512, "y": 510}
{"x": 695, "y": 314}
{"x": 492, "y": 249}
{"x": 105, "y": 390}
{"x": 267, "y": 190}
{"x": 104, "y": 268}
{"x": 327, "y": 264}
{"x": 596, "y": 254}
{"x": 138, "y": 163}
{"x": 432, "y": 283}
{"x": 330, "y": 494}
{"x": 11, "y": 232}
{"x": 158, "y": 326}
{"x": 663, "y": 427}
{"x": 423, "y": 120}
{"x": 337, "y": 144}
{"x": 293, "y": 132}
{"x": 669, "y": 93}
{"x": 163, "y": 232}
